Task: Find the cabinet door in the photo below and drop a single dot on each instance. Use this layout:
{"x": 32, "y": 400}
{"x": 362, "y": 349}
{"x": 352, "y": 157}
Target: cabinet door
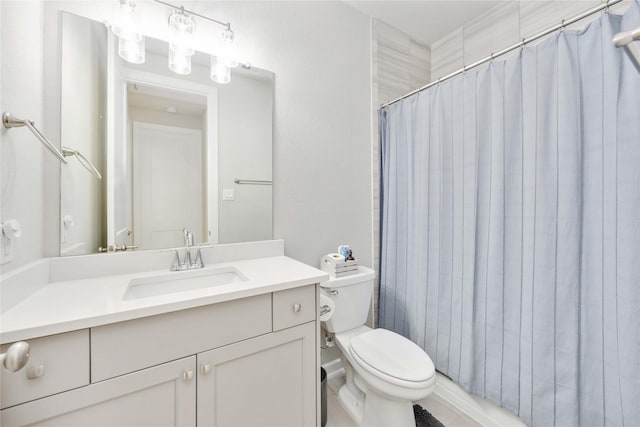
{"x": 164, "y": 395}
{"x": 265, "y": 381}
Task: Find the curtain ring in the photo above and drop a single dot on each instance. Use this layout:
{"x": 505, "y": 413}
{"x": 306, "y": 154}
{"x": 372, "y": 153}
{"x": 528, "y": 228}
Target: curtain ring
{"x": 562, "y": 25}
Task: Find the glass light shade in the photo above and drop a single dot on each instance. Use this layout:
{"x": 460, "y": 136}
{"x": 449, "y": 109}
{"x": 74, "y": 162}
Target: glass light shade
{"x": 220, "y": 73}
{"x": 130, "y": 41}
{"x": 181, "y": 27}
{"x": 131, "y": 50}
{"x": 179, "y": 62}
{"x": 227, "y": 54}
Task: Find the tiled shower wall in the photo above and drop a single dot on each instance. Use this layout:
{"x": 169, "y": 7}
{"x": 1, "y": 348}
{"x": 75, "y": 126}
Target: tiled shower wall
{"x": 399, "y": 65}
{"x": 502, "y": 26}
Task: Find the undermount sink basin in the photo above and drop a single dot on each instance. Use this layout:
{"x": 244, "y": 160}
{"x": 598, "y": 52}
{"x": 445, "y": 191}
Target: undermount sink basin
{"x": 181, "y": 281}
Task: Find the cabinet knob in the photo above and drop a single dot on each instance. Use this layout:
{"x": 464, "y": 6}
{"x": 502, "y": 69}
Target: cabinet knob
{"x": 333, "y": 292}
{"x": 205, "y": 368}
{"x": 187, "y": 375}
{"x": 16, "y": 356}
{"x": 35, "y": 371}
{"x": 297, "y": 308}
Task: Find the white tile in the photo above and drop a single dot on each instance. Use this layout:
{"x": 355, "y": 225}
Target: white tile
{"x": 536, "y": 16}
{"x": 496, "y": 29}
{"x": 447, "y": 55}
{"x": 420, "y": 71}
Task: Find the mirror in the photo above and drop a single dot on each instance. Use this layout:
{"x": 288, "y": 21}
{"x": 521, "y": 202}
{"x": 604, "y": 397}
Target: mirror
{"x": 174, "y": 151}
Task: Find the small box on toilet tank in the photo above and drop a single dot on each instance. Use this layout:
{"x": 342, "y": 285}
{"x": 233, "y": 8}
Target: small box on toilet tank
{"x": 336, "y": 266}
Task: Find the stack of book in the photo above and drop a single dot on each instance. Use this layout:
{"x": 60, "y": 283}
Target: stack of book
{"x": 337, "y": 266}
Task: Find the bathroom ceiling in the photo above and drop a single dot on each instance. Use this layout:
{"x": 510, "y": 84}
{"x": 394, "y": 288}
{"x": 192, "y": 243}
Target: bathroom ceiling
{"x": 424, "y": 20}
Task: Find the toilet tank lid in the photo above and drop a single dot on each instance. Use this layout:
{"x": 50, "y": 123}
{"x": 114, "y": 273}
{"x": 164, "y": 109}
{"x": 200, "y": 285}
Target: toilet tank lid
{"x": 363, "y": 274}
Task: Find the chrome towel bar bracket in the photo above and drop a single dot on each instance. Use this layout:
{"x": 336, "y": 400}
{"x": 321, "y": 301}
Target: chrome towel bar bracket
{"x": 9, "y": 121}
{"x": 66, "y": 151}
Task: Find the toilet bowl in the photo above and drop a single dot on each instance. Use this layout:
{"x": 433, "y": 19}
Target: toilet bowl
{"x": 385, "y": 372}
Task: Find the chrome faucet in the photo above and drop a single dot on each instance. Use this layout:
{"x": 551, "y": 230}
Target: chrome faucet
{"x": 187, "y": 263}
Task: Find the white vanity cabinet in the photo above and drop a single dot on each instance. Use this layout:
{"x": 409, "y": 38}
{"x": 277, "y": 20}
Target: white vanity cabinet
{"x": 164, "y": 395}
{"x": 245, "y": 362}
{"x": 265, "y": 381}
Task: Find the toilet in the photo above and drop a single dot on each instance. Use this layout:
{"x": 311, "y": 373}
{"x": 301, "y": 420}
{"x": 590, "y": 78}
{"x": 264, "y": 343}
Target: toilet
{"x": 385, "y": 372}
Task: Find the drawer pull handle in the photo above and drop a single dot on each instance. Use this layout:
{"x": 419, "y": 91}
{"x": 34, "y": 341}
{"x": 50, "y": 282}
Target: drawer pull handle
{"x": 205, "y": 368}
{"x": 187, "y": 375}
{"x": 35, "y": 371}
{"x": 297, "y": 308}
{"x": 333, "y": 292}
{"x": 16, "y": 356}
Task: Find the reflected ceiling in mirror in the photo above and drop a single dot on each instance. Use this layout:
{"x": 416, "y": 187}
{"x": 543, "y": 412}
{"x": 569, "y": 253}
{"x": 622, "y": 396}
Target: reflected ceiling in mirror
{"x": 170, "y": 148}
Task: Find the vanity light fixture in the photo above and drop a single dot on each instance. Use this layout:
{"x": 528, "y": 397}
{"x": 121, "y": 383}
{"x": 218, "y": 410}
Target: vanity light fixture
{"x": 130, "y": 40}
{"x": 182, "y": 26}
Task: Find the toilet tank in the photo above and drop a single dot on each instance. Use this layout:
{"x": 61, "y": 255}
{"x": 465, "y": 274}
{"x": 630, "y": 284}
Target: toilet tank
{"x": 351, "y": 296}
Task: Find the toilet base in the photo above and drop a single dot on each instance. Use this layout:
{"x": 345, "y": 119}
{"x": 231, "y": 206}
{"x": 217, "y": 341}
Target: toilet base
{"x": 376, "y": 410}
{"x": 352, "y": 406}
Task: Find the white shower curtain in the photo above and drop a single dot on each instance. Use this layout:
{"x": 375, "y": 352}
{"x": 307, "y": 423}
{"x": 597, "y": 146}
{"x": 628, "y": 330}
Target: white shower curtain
{"x": 510, "y": 235}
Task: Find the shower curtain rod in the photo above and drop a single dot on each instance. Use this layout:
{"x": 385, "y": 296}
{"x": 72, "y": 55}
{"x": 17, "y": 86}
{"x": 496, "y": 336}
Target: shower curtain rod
{"x": 564, "y": 23}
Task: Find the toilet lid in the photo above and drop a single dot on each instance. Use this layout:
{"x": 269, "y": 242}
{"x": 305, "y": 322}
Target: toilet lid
{"x": 393, "y": 354}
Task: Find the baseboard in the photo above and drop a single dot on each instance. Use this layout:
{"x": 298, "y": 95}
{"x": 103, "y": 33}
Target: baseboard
{"x": 334, "y": 368}
{"x": 480, "y": 410}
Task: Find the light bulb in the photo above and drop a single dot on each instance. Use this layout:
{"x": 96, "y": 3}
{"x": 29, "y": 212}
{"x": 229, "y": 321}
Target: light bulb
{"x": 179, "y": 62}
{"x": 131, "y": 50}
{"x": 220, "y": 73}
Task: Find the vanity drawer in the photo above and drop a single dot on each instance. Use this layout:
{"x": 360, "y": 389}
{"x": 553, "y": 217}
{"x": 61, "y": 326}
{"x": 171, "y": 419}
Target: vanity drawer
{"x": 294, "y": 307}
{"x": 124, "y": 347}
{"x": 56, "y": 363}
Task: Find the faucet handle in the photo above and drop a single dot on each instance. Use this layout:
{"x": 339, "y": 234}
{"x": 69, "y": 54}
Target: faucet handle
{"x": 199, "y": 262}
{"x": 176, "y": 262}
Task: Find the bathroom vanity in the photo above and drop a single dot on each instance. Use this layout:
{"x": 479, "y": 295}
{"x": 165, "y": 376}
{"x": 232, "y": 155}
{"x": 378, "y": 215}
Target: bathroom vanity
{"x": 241, "y": 353}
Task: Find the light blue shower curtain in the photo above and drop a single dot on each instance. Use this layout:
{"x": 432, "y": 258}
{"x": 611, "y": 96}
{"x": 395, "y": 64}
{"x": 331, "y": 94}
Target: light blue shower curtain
{"x": 510, "y": 235}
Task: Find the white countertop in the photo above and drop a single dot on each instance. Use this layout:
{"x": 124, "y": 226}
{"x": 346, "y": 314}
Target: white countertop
{"x": 69, "y": 305}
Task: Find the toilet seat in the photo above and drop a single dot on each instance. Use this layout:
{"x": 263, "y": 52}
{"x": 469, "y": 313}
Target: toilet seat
{"x": 392, "y": 357}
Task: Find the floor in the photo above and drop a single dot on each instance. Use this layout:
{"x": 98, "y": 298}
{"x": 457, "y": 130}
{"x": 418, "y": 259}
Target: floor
{"x": 446, "y": 413}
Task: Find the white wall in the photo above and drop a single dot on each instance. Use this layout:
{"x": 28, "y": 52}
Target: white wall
{"x": 22, "y": 156}
{"x": 319, "y": 52}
